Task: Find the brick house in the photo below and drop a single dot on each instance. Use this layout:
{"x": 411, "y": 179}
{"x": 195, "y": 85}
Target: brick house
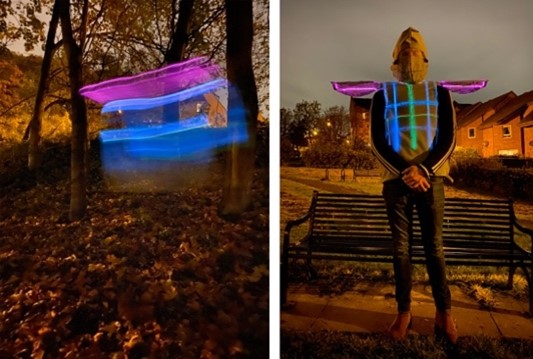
{"x": 527, "y": 125}
{"x": 471, "y": 118}
{"x": 502, "y": 132}
{"x": 360, "y": 118}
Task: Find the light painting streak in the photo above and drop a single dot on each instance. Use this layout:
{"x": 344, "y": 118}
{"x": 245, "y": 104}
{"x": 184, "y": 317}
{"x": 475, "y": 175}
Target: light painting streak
{"x": 387, "y": 119}
{"x": 412, "y": 117}
{"x": 146, "y": 103}
{"x": 395, "y": 123}
{"x": 147, "y": 132}
{"x": 144, "y": 75}
{"x": 155, "y": 136}
{"x": 428, "y": 114}
{"x": 362, "y": 88}
{"x": 356, "y": 89}
{"x": 153, "y": 83}
{"x": 463, "y": 87}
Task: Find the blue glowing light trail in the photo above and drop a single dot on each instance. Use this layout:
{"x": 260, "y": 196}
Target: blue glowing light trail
{"x": 146, "y": 103}
{"x": 146, "y": 132}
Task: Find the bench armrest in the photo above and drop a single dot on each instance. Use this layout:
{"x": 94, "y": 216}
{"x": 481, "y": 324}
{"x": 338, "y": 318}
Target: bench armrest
{"x": 296, "y": 222}
{"x": 289, "y": 225}
{"x": 525, "y": 230}
{"x": 287, "y": 233}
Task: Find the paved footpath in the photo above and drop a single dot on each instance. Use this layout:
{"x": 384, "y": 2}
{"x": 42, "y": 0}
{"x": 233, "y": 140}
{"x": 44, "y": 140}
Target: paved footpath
{"x": 371, "y": 307}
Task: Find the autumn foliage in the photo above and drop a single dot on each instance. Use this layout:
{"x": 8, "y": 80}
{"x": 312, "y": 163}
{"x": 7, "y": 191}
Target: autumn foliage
{"x": 145, "y": 274}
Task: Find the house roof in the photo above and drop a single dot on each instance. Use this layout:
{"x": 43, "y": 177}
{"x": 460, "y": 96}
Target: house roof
{"x": 462, "y": 115}
{"x": 484, "y": 107}
{"x": 461, "y": 106}
{"x": 528, "y": 120}
{"x": 512, "y": 108}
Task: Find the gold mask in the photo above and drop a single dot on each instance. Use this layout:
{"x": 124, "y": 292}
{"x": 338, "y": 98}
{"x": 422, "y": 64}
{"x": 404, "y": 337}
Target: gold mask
{"x": 410, "y": 57}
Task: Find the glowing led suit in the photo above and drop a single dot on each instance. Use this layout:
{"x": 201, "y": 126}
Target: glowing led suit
{"x": 412, "y": 134}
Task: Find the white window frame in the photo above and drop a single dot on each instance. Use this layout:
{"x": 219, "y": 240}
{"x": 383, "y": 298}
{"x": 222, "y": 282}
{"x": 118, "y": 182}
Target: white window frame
{"x": 472, "y": 129}
{"x": 510, "y": 134}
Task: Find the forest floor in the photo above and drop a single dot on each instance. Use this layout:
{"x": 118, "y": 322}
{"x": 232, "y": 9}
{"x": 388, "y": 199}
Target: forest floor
{"x": 143, "y": 274}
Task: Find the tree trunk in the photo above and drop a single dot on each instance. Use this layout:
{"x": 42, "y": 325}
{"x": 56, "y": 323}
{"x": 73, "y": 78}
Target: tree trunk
{"x": 78, "y": 155}
{"x": 242, "y": 107}
{"x": 34, "y": 133}
{"x": 176, "y": 52}
{"x": 180, "y": 34}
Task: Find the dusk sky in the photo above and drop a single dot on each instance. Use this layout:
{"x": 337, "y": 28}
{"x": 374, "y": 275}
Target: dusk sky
{"x": 341, "y": 40}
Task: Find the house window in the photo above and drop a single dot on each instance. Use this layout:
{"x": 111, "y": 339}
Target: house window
{"x": 472, "y": 132}
{"x": 506, "y": 131}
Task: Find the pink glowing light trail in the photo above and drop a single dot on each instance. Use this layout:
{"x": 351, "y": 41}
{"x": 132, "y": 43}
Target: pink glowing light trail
{"x": 362, "y": 88}
{"x": 154, "y": 83}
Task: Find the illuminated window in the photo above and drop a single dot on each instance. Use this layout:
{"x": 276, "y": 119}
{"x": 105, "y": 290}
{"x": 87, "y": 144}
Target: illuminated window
{"x": 472, "y": 132}
{"x": 506, "y": 131}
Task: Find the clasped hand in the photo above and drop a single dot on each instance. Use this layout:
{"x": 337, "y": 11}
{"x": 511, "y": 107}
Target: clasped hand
{"x": 415, "y": 178}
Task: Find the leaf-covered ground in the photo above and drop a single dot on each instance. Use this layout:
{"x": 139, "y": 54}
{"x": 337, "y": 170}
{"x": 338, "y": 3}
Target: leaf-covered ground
{"x": 156, "y": 275}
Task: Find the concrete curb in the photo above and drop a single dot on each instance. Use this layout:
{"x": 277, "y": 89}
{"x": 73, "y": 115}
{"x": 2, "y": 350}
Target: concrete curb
{"x": 371, "y": 307}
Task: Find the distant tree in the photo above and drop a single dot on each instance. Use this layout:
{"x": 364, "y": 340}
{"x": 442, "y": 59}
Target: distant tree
{"x": 324, "y": 155}
{"x": 19, "y": 20}
{"x": 333, "y": 126}
{"x": 10, "y": 81}
{"x": 289, "y": 153}
{"x": 285, "y": 120}
{"x": 18, "y": 79}
{"x": 302, "y": 121}
{"x": 332, "y": 147}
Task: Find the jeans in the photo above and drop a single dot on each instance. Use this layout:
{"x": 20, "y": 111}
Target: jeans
{"x": 400, "y": 199}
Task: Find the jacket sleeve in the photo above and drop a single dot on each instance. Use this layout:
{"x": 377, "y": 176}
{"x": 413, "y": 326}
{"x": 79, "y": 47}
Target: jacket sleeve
{"x": 444, "y": 143}
{"x": 385, "y": 154}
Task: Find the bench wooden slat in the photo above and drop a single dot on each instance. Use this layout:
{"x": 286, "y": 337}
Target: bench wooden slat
{"x": 474, "y": 201}
{"x": 350, "y": 239}
{"x": 351, "y": 215}
{"x": 472, "y": 221}
{"x": 347, "y": 221}
{"x": 356, "y": 227}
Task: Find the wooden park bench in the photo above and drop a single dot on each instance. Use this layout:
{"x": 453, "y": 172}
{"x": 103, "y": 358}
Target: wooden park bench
{"x": 353, "y": 227}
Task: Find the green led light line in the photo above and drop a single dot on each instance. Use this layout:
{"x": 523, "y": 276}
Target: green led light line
{"x": 412, "y": 119}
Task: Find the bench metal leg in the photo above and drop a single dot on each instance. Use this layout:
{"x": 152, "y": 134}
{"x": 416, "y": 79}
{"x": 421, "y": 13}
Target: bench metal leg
{"x": 529, "y": 279}
{"x": 530, "y": 285}
{"x": 311, "y": 273}
{"x": 512, "y": 270}
{"x": 530, "y": 298}
{"x": 284, "y": 282}
{"x": 284, "y": 271}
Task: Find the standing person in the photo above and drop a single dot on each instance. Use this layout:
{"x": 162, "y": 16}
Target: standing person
{"x": 413, "y": 136}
